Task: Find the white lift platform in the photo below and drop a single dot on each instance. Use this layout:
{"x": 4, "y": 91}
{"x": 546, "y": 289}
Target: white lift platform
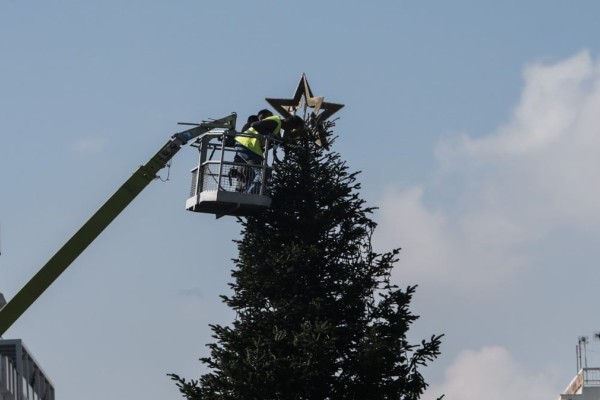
{"x": 218, "y": 182}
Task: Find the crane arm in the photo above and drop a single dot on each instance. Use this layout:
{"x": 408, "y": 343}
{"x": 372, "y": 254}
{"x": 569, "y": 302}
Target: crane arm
{"x": 101, "y": 219}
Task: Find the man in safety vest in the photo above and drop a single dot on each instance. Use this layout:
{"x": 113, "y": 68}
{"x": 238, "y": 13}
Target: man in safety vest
{"x": 250, "y": 148}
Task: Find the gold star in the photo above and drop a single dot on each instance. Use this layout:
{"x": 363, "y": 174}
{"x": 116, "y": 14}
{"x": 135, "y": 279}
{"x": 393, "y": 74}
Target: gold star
{"x": 304, "y": 99}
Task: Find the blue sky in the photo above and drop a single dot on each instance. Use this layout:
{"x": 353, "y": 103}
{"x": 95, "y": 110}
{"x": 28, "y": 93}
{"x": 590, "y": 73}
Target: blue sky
{"x": 473, "y": 123}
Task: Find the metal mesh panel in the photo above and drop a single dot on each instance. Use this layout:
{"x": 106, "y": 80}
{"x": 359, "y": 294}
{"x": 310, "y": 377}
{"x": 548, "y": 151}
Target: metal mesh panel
{"x": 233, "y": 178}
{"x": 240, "y": 178}
{"x": 194, "y": 186}
{"x": 259, "y": 181}
{"x": 210, "y": 177}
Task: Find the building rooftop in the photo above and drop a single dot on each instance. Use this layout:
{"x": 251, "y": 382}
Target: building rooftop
{"x": 584, "y": 386}
{"x": 21, "y": 377}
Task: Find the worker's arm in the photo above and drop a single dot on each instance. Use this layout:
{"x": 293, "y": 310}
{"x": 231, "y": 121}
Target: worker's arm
{"x": 265, "y": 127}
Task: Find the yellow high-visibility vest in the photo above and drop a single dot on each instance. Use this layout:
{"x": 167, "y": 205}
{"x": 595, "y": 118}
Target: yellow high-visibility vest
{"x": 257, "y": 144}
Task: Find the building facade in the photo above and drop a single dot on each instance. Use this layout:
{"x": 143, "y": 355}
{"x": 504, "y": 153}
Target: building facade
{"x": 21, "y": 377}
{"x": 584, "y": 386}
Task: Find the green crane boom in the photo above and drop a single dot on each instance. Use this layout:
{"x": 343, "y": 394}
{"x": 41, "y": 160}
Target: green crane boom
{"x": 101, "y": 219}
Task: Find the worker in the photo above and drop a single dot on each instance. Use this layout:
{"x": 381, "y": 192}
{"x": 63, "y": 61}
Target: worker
{"x": 262, "y": 114}
{"x": 230, "y": 142}
{"x": 251, "y": 119}
{"x": 250, "y": 150}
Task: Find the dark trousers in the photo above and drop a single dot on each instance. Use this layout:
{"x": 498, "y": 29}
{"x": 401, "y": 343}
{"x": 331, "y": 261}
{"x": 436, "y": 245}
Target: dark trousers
{"x": 248, "y": 180}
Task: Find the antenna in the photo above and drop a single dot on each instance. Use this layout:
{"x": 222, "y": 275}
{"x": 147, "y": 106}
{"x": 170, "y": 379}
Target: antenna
{"x": 581, "y": 351}
{"x": 577, "y": 357}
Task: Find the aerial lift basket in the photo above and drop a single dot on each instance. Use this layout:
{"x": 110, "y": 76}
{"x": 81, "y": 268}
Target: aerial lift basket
{"x": 221, "y": 186}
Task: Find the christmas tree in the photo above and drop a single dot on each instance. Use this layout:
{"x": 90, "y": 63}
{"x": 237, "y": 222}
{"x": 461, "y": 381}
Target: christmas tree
{"x": 317, "y": 316}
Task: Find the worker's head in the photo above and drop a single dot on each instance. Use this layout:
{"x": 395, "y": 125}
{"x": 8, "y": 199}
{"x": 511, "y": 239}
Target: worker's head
{"x": 264, "y": 113}
{"x": 252, "y": 118}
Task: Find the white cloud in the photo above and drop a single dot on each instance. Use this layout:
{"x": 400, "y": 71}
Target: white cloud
{"x": 504, "y": 192}
{"x": 88, "y": 145}
{"x": 435, "y": 249}
{"x": 421, "y": 233}
{"x": 492, "y": 374}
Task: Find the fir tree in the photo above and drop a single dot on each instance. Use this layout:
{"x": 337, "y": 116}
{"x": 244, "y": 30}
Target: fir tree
{"x": 316, "y": 314}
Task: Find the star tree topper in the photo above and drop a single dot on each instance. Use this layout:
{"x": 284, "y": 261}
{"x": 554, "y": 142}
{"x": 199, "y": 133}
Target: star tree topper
{"x": 304, "y": 99}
